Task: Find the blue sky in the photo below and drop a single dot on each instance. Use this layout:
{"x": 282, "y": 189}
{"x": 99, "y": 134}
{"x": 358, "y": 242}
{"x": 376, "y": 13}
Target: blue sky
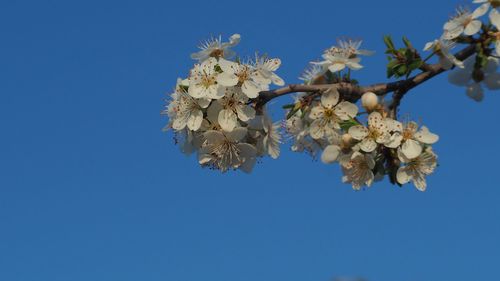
{"x": 91, "y": 189}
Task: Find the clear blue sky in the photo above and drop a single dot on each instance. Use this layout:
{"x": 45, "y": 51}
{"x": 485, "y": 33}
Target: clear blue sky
{"x": 91, "y": 189}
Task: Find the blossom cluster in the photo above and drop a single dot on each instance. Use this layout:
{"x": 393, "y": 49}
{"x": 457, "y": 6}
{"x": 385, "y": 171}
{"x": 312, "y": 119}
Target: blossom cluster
{"x": 366, "y": 150}
{"x": 477, "y": 70}
{"x": 212, "y": 110}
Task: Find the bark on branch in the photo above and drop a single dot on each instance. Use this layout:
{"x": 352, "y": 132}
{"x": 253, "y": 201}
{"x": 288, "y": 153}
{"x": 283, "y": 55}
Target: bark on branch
{"x": 353, "y": 92}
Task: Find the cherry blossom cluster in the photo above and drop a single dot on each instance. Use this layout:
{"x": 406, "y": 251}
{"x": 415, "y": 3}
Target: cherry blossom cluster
{"x": 465, "y": 27}
{"x": 212, "y": 113}
{"x": 366, "y": 149}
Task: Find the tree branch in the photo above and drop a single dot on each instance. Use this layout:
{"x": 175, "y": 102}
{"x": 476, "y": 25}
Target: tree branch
{"x": 353, "y": 92}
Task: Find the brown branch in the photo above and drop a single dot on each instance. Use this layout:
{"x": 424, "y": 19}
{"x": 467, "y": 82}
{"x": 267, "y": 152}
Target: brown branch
{"x": 353, "y": 92}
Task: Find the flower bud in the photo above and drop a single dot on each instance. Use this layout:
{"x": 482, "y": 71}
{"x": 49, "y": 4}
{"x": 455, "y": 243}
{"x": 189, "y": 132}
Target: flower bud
{"x": 346, "y": 140}
{"x": 369, "y": 101}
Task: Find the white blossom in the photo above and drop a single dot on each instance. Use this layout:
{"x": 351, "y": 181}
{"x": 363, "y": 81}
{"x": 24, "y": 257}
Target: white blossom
{"x": 312, "y": 72}
{"x": 416, "y": 169}
{"x": 233, "y": 107}
{"x": 486, "y": 5}
{"x": 225, "y": 150}
{"x": 358, "y": 171}
{"x": 376, "y": 132}
{"x": 244, "y": 75}
{"x": 495, "y": 20}
{"x": 464, "y": 22}
{"x": 442, "y": 48}
{"x": 464, "y": 77}
{"x": 328, "y": 113}
{"x": 266, "y": 67}
{"x": 410, "y": 138}
{"x": 298, "y": 129}
{"x": 215, "y": 48}
{"x": 203, "y": 80}
{"x": 346, "y": 55}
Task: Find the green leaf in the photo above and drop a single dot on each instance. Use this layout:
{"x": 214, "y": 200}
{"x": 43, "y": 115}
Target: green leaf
{"x": 345, "y": 125}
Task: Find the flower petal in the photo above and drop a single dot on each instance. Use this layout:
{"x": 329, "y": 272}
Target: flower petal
{"x": 330, "y": 154}
{"x": 330, "y": 98}
{"x": 425, "y": 136}
{"x": 195, "y": 119}
{"x": 473, "y": 27}
{"x": 368, "y": 145}
{"x": 402, "y": 175}
{"x": 227, "y": 120}
{"x": 358, "y": 132}
{"x": 411, "y": 149}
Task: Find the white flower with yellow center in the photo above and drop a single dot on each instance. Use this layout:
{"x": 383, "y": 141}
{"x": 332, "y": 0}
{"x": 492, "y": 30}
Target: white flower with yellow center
{"x": 410, "y": 138}
{"x": 233, "y": 107}
{"x": 487, "y": 4}
{"x": 358, "y": 171}
{"x": 215, "y": 48}
{"x": 188, "y": 111}
{"x": 416, "y": 169}
{"x": 488, "y": 76}
{"x": 464, "y": 22}
{"x": 266, "y": 67}
{"x": 340, "y": 149}
{"x": 442, "y": 48}
{"x": 225, "y": 150}
{"x": 346, "y": 55}
{"x": 376, "y": 132}
{"x": 244, "y": 75}
{"x": 203, "y": 80}
{"x": 328, "y": 113}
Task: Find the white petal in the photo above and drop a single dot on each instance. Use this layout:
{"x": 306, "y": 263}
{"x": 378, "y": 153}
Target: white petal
{"x": 315, "y": 130}
{"x": 227, "y": 120}
{"x": 195, "y": 119}
{"x": 346, "y": 110}
{"x": 358, "y": 132}
{"x": 227, "y": 79}
{"x": 251, "y": 89}
{"x": 495, "y": 18}
{"x": 394, "y": 141}
{"x": 402, "y": 175}
{"x": 330, "y": 98}
{"x": 336, "y": 67}
{"x": 453, "y": 33}
{"x": 237, "y": 134}
{"x": 245, "y": 112}
{"x": 330, "y": 154}
{"x": 480, "y": 11}
{"x": 213, "y": 136}
{"x": 368, "y": 145}
{"x": 203, "y": 102}
{"x": 197, "y": 91}
{"x": 425, "y": 136}
{"x": 228, "y": 66}
{"x": 316, "y": 112}
{"x": 473, "y": 27}
{"x": 411, "y": 149}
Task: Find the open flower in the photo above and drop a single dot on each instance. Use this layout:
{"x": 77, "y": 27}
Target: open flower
{"x": 346, "y": 55}
{"x": 188, "y": 111}
{"x": 442, "y": 48}
{"x": 266, "y": 67}
{"x": 464, "y": 22}
{"x": 474, "y": 79}
{"x": 233, "y": 107}
{"x": 358, "y": 171}
{"x": 416, "y": 169}
{"x": 376, "y": 132}
{"x": 215, "y": 48}
{"x": 410, "y": 138}
{"x": 244, "y": 75}
{"x": 328, "y": 113}
{"x": 225, "y": 150}
{"x": 203, "y": 80}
